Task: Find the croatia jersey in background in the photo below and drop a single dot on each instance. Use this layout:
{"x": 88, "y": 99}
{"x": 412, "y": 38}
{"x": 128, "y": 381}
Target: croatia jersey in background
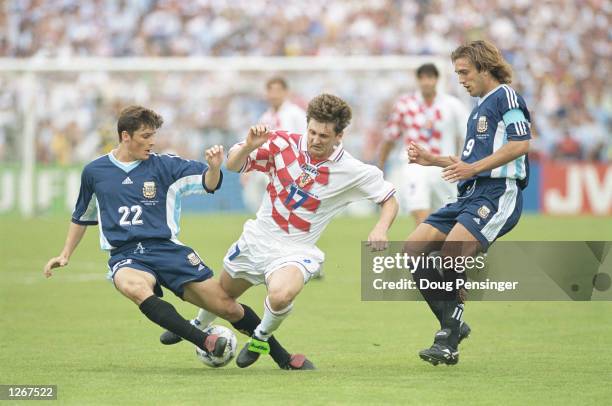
{"x": 289, "y": 117}
{"x": 436, "y": 126}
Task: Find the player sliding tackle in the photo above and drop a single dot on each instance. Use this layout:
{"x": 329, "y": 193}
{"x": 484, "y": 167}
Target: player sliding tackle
{"x": 133, "y": 194}
{"x": 312, "y": 179}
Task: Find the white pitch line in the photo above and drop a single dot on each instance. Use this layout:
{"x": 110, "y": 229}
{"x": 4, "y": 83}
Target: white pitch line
{"x": 33, "y": 264}
{"x": 30, "y": 271}
{"x": 31, "y": 279}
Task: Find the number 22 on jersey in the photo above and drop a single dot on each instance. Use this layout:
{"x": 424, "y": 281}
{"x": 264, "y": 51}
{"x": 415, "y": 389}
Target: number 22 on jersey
{"x": 125, "y": 212}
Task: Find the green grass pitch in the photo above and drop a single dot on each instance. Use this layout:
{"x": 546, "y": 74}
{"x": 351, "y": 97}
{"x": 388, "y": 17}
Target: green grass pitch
{"x": 74, "y": 330}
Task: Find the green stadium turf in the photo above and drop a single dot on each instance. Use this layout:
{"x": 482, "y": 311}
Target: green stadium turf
{"x": 76, "y": 332}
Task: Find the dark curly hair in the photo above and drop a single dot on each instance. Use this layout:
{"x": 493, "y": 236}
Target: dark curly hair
{"x": 132, "y": 118}
{"x": 327, "y": 108}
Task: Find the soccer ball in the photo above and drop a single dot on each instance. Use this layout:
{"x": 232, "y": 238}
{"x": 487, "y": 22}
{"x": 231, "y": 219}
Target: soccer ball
{"x": 230, "y": 350}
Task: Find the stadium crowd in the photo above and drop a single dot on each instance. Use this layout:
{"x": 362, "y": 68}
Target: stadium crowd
{"x": 560, "y": 51}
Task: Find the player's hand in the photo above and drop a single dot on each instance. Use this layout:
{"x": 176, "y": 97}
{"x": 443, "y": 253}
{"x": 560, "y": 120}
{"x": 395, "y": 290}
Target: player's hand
{"x": 419, "y": 155}
{"x": 377, "y": 240}
{"x": 258, "y": 135}
{"x": 214, "y": 156}
{"x": 458, "y": 171}
{"x": 56, "y": 262}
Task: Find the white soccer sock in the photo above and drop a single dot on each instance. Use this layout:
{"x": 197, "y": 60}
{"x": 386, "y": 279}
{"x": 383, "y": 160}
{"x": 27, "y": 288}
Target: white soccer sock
{"x": 271, "y": 320}
{"x": 204, "y": 318}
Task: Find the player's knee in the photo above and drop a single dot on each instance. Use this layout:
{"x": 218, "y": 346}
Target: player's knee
{"x": 449, "y": 250}
{"x": 232, "y": 311}
{"x": 135, "y": 290}
{"x": 280, "y": 299}
{"x": 424, "y": 239}
{"x": 420, "y": 217}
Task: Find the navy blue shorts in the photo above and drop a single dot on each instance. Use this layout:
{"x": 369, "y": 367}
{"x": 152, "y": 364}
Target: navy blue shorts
{"x": 487, "y": 207}
{"x": 171, "y": 264}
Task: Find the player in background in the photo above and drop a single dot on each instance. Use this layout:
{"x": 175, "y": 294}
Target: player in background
{"x": 437, "y": 122}
{"x": 134, "y": 196}
{"x": 491, "y": 170}
{"x": 282, "y": 114}
{"x": 312, "y": 179}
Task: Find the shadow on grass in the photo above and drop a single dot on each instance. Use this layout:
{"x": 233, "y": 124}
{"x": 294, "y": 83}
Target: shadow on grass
{"x": 147, "y": 370}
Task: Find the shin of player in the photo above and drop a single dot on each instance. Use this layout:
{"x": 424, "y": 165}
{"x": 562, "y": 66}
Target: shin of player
{"x": 283, "y": 286}
{"x": 234, "y": 288}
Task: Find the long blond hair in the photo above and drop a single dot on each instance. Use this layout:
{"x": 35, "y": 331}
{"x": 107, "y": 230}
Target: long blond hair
{"x": 485, "y": 57}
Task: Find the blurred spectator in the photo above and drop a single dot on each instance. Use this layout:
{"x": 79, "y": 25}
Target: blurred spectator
{"x": 591, "y": 136}
{"x": 567, "y": 148}
{"x": 560, "y": 51}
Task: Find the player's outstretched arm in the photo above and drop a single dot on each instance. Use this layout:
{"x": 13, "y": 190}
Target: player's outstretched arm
{"x": 509, "y": 152}
{"x": 75, "y": 234}
{"x": 214, "y": 159}
{"x": 419, "y": 155}
{"x": 257, "y": 136}
{"x": 378, "y": 236}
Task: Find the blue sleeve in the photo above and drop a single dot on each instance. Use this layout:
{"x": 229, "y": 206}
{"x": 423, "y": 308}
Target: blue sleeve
{"x": 516, "y": 117}
{"x": 86, "y": 211}
{"x": 180, "y": 168}
{"x": 187, "y": 176}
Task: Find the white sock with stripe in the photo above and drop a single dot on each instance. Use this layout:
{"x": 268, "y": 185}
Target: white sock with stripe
{"x": 271, "y": 320}
{"x": 458, "y": 313}
{"x": 203, "y": 319}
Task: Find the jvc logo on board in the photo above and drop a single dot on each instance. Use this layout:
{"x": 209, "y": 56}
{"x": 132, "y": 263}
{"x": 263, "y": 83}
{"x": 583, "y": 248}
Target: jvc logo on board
{"x": 577, "y": 189}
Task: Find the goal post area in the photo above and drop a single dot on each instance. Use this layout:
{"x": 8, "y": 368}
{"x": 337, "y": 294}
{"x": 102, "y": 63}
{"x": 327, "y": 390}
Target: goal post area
{"x": 62, "y": 112}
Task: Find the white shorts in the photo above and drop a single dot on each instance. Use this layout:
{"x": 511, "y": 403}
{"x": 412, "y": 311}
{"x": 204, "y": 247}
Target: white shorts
{"x": 422, "y": 188}
{"x": 256, "y": 255}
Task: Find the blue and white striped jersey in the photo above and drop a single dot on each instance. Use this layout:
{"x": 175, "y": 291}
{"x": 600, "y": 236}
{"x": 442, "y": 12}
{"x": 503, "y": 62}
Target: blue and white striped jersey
{"x": 137, "y": 201}
{"x": 500, "y": 116}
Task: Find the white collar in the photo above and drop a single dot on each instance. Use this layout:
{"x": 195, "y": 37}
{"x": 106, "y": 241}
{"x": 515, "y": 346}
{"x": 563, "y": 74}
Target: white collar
{"x": 126, "y": 166}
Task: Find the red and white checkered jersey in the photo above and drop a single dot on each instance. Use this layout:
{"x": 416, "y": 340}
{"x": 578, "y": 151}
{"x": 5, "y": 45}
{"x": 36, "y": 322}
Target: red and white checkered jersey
{"x": 436, "y": 127}
{"x": 289, "y": 117}
{"x": 303, "y": 196}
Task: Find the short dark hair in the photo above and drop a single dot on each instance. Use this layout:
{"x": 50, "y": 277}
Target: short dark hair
{"x": 485, "y": 57}
{"x": 428, "y": 69}
{"x": 132, "y": 118}
{"x": 277, "y": 80}
{"x": 327, "y": 108}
